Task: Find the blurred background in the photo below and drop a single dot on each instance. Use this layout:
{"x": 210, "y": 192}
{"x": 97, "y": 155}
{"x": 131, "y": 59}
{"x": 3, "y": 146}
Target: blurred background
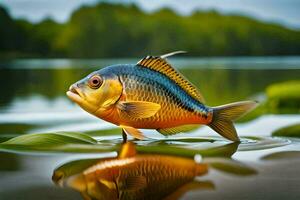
{"x": 237, "y": 50}
{"x": 103, "y": 29}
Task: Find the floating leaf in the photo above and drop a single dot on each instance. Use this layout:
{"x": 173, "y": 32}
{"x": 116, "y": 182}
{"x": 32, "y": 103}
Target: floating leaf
{"x": 49, "y": 139}
{"x": 230, "y": 166}
{"x": 179, "y": 150}
{"x": 289, "y": 131}
{"x": 105, "y": 132}
{"x": 259, "y": 143}
{"x": 284, "y": 155}
{"x": 55, "y": 142}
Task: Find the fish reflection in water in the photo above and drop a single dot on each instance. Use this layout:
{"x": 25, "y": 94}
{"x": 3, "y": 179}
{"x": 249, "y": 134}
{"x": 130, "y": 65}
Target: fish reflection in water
{"x": 133, "y": 176}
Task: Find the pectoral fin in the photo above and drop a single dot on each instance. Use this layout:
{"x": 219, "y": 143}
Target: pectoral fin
{"x": 133, "y": 132}
{"x": 108, "y": 184}
{"x": 139, "y": 109}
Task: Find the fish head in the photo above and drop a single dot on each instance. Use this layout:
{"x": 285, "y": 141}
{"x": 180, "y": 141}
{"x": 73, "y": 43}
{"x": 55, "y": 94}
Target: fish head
{"x": 97, "y": 92}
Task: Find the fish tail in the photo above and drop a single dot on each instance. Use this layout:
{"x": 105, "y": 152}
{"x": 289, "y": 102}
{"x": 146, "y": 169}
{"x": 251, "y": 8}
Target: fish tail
{"x": 223, "y": 117}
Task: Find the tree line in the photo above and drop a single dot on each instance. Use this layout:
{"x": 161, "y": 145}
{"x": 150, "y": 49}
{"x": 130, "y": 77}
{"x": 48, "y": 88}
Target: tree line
{"x": 117, "y": 30}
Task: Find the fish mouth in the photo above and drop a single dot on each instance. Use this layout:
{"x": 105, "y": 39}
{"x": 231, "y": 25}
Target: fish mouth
{"x": 74, "y": 94}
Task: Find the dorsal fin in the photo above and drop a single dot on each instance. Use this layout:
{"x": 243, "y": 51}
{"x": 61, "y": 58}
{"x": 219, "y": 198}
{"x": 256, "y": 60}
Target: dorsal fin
{"x": 158, "y": 63}
{"x": 127, "y": 150}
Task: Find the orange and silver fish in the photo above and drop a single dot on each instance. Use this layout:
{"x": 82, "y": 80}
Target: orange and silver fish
{"x": 152, "y": 95}
{"x": 133, "y": 176}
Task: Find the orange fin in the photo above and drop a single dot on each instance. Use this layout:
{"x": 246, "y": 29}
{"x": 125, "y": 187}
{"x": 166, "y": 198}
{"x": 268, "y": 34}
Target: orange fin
{"x": 178, "y": 129}
{"x": 133, "y": 132}
{"x": 161, "y": 65}
{"x": 77, "y": 182}
{"x": 139, "y": 109}
{"x": 127, "y": 150}
{"x": 109, "y": 184}
{"x": 223, "y": 117}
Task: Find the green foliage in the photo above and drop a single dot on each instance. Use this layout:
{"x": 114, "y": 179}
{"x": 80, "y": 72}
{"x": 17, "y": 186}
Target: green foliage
{"x": 284, "y": 97}
{"x": 281, "y": 98}
{"x": 12, "y": 35}
{"x": 116, "y": 30}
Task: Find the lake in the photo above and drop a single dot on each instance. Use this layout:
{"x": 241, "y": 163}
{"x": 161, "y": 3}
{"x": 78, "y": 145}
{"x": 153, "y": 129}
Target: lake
{"x": 33, "y": 100}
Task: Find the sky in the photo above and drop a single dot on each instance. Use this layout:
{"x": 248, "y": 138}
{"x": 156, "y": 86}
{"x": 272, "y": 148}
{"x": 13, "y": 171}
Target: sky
{"x": 286, "y": 12}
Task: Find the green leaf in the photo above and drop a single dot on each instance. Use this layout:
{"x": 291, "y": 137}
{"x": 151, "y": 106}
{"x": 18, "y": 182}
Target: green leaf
{"x": 259, "y": 143}
{"x": 55, "y": 142}
{"x": 284, "y": 155}
{"x": 50, "y": 139}
{"x": 216, "y": 150}
{"x": 105, "y": 132}
{"x": 230, "y": 166}
{"x": 288, "y": 131}
{"x": 83, "y": 143}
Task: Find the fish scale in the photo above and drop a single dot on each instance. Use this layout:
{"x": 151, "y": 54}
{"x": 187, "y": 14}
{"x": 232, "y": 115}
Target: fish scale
{"x": 147, "y": 85}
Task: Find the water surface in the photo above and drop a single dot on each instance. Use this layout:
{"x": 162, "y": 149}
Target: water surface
{"x": 33, "y": 101}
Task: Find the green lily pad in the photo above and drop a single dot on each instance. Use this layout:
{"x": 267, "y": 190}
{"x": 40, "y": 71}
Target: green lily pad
{"x": 179, "y": 150}
{"x": 284, "y": 155}
{"x": 230, "y": 166}
{"x": 289, "y": 131}
{"x": 259, "y": 143}
{"x": 50, "y": 139}
{"x": 55, "y": 142}
{"x": 105, "y": 132}
{"x": 73, "y": 142}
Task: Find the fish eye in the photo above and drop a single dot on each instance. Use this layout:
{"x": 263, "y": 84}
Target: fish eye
{"x": 95, "y": 82}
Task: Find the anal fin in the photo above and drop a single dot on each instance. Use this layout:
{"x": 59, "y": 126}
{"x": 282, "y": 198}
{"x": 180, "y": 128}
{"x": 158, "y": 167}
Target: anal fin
{"x": 133, "y": 132}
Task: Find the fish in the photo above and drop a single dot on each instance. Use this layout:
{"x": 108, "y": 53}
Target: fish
{"x": 153, "y": 95}
{"x": 136, "y": 176}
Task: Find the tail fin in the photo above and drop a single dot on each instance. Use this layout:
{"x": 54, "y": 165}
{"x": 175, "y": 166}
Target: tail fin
{"x": 223, "y": 117}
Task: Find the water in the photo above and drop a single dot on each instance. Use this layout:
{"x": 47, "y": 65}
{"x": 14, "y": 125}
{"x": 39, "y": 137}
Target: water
{"x": 33, "y": 101}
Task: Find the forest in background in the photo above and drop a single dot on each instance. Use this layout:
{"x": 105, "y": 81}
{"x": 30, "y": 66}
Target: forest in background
{"x": 117, "y": 30}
